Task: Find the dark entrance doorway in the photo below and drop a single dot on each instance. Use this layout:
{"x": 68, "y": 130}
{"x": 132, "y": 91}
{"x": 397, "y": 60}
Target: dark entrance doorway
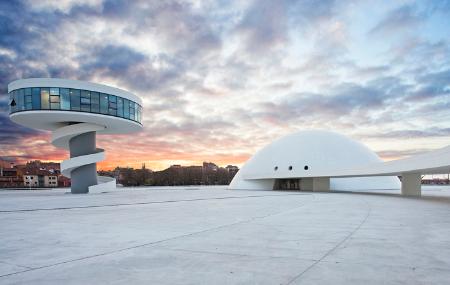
{"x": 287, "y": 184}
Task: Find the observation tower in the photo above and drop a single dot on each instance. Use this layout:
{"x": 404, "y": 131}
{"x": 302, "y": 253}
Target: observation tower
{"x": 75, "y": 111}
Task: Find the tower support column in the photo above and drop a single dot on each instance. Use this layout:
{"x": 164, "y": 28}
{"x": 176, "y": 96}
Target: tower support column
{"x": 86, "y": 175}
{"x": 321, "y": 184}
{"x": 411, "y": 184}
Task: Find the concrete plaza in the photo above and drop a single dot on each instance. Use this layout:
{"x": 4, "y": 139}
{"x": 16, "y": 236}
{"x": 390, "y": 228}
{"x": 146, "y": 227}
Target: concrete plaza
{"x": 209, "y": 235}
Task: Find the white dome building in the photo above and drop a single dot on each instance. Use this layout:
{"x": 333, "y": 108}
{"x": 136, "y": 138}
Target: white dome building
{"x": 306, "y": 160}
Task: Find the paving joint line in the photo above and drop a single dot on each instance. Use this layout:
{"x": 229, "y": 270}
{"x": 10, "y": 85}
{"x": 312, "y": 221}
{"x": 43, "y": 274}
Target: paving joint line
{"x": 149, "y": 243}
{"x": 334, "y": 248}
{"x": 145, "y": 203}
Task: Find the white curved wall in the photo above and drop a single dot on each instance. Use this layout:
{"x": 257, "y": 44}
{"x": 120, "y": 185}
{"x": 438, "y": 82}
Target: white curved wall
{"x": 365, "y": 183}
{"x": 242, "y": 184}
{"x": 321, "y": 151}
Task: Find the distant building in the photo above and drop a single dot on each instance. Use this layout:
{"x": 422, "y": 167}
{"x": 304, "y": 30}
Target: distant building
{"x": 436, "y": 181}
{"x": 63, "y": 181}
{"x": 41, "y": 178}
{"x": 8, "y": 172}
{"x": 10, "y": 177}
{"x": 232, "y": 169}
{"x": 50, "y": 181}
{"x": 33, "y": 174}
{"x": 30, "y": 180}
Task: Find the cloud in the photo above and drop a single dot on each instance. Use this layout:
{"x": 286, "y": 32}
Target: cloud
{"x": 343, "y": 100}
{"x": 431, "y": 86}
{"x": 398, "y": 154}
{"x": 13, "y": 134}
{"x": 308, "y": 12}
{"x": 132, "y": 68}
{"x": 407, "y": 134}
{"x": 406, "y": 17}
{"x": 116, "y": 59}
{"x": 441, "y": 79}
{"x": 264, "y": 25}
{"x": 220, "y": 79}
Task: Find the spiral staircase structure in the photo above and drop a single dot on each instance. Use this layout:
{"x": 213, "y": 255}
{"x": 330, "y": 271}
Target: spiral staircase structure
{"x": 79, "y": 139}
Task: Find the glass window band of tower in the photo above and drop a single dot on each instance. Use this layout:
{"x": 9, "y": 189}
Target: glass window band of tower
{"x": 69, "y": 99}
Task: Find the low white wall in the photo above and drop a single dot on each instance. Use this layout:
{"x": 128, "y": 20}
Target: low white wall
{"x": 365, "y": 183}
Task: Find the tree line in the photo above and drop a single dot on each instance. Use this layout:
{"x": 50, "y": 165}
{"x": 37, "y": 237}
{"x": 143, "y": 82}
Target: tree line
{"x": 208, "y": 174}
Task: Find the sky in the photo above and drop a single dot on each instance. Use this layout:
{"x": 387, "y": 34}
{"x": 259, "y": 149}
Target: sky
{"x": 221, "y": 79}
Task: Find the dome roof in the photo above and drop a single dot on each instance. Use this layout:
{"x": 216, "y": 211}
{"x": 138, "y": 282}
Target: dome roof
{"x": 310, "y": 154}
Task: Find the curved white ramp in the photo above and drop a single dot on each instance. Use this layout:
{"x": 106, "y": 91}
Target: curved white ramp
{"x": 61, "y": 138}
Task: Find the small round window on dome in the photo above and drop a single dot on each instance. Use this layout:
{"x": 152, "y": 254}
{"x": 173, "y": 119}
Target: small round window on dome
{"x": 290, "y": 167}
{"x": 306, "y": 167}
{"x": 275, "y": 168}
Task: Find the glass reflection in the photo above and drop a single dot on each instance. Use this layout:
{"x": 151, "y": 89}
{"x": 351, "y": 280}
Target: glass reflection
{"x": 45, "y": 98}
{"x": 54, "y": 98}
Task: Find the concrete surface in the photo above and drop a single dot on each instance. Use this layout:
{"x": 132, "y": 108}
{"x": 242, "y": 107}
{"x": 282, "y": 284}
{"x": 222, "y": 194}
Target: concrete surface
{"x": 192, "y": 235}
